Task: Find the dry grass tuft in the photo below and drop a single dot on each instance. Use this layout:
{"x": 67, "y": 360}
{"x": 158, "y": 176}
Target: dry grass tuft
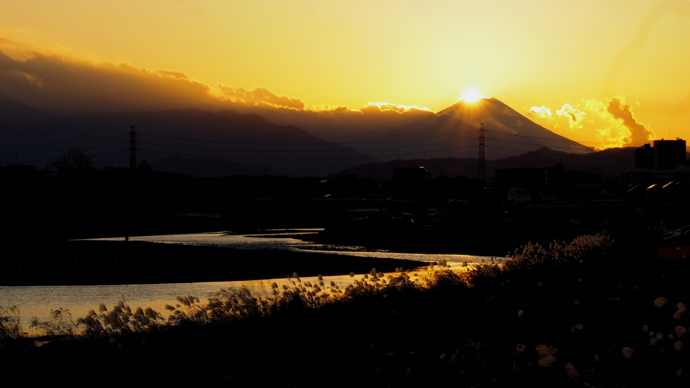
{"x": 547, "y": 361}
{"x": 10, "y": 322}
{"x": 571, "y": 371}
{"x": 627, "y": 352}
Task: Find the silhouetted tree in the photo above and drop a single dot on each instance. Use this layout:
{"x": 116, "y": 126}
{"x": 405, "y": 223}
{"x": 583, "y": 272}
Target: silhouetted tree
{"x": 74, "y": 158}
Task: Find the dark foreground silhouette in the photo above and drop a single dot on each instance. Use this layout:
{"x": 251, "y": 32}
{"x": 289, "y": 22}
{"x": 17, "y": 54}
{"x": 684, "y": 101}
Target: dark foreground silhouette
{"x": 135, "y": 262}
{"x": 594, "y": 307}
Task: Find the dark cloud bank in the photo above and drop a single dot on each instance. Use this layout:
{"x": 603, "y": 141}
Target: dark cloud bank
{"x": 88, "y": 99}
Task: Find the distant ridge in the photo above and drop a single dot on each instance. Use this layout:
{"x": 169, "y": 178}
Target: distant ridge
{"x": 607, "y": 161}
{"x": 189, "y": 141}
{"x": 450, "y": 133}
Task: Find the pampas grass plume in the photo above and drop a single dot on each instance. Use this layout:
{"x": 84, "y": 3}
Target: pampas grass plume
{"x": 627, "y": 352}
{"x": 544, "y": 350}
{"x": 572, "y": 373}
{"x": 547, "y": 361}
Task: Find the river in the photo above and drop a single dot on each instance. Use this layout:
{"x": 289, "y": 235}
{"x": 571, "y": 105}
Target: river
{"x": 38, "y": 301}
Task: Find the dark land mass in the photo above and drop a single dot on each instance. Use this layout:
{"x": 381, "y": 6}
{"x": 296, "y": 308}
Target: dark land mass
{"x": 203, "y": 143}
{"x": 189, "y": 141}
{"x": 451, "y": 132}
{"x": 609, "y": 161}
{"x": 441, "y": 215}
{"x": 135, "y": 262}
{"x": 448, "y": 335}
{"x": 498, "y": 231}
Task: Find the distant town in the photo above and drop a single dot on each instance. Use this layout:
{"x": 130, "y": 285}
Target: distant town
{"x": 645, "y": 196}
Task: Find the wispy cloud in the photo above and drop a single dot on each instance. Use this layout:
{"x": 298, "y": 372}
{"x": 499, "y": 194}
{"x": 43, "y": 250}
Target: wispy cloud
{"x": 260, "y": 96}
{"x": 539, "y": 111}
{"x": 387, "y": 106}
{"x": 575, "y": 116}
{"x": 619, "y": 127}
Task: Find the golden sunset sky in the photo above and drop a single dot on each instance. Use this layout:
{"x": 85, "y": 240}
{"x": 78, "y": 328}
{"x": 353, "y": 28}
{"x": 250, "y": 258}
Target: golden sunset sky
{"x": 537, "y": 53}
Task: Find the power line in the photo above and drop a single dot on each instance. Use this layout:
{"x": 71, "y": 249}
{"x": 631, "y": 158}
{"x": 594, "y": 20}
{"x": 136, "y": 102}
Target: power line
{"x": 227, "y": 157}
{"x": 62, "y": 142}
{"x": 589, "y": 155}
{"x": 304, "y": 144}
{"x": 537, "y": 137}
{"x": 52, "y": 159}
{"x": 302, "y": 151}
{"x": 55, "y": 151}
{"x": 532, "y": 144}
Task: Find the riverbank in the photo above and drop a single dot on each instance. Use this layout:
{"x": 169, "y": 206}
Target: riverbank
{"x": 482, "y": 240}
{"x": 568, "y": 315}
{"x": 135, "y": 262}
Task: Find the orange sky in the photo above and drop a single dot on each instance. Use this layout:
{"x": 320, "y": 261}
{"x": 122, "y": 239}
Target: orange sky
{"x": 324, "y": 54}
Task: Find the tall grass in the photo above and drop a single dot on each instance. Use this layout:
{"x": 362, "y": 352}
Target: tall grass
{"x": 10, "y": 322}
{"x": 238, "y": 303}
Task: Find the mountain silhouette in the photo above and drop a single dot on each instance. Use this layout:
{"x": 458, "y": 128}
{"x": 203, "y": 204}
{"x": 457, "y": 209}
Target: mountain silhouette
{"x": 414, "y": 134}
{"x": 276, "y": 141}
{"x": 507, "y": 129}
{"x": 189, "y": 141}
{"x": 609, "y": 161}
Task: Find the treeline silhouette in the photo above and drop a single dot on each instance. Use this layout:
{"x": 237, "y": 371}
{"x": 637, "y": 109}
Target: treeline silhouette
{"x": 409, "y": 212}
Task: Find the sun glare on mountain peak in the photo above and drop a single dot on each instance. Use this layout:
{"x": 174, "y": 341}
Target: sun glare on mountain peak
{"x": 471, "y": 95}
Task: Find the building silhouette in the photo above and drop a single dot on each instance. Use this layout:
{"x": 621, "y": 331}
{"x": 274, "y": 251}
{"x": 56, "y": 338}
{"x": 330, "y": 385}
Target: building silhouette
{"x": 665, "y": 155}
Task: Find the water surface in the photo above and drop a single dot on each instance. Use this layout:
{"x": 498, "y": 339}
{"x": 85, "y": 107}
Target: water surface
{"x": 38, "y": 301}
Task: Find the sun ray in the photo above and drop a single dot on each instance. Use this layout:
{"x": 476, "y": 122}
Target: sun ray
{"x": 471, "y": 95}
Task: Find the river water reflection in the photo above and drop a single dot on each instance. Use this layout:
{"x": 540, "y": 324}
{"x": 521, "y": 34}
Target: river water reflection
{"x": 38, "y": 301}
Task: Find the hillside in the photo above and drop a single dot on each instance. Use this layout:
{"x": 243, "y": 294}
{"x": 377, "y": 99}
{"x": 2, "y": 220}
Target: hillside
{"x": 190, "y": 141}
{"x": 607, "y": 161}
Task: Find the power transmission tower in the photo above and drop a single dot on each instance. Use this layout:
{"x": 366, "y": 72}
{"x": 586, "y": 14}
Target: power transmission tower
{"x": 132, "y": 148}
{"x": 481, "y": 165}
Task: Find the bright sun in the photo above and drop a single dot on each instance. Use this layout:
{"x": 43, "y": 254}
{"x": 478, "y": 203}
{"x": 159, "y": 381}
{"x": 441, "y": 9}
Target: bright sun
{"x": 471, "y": 95}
